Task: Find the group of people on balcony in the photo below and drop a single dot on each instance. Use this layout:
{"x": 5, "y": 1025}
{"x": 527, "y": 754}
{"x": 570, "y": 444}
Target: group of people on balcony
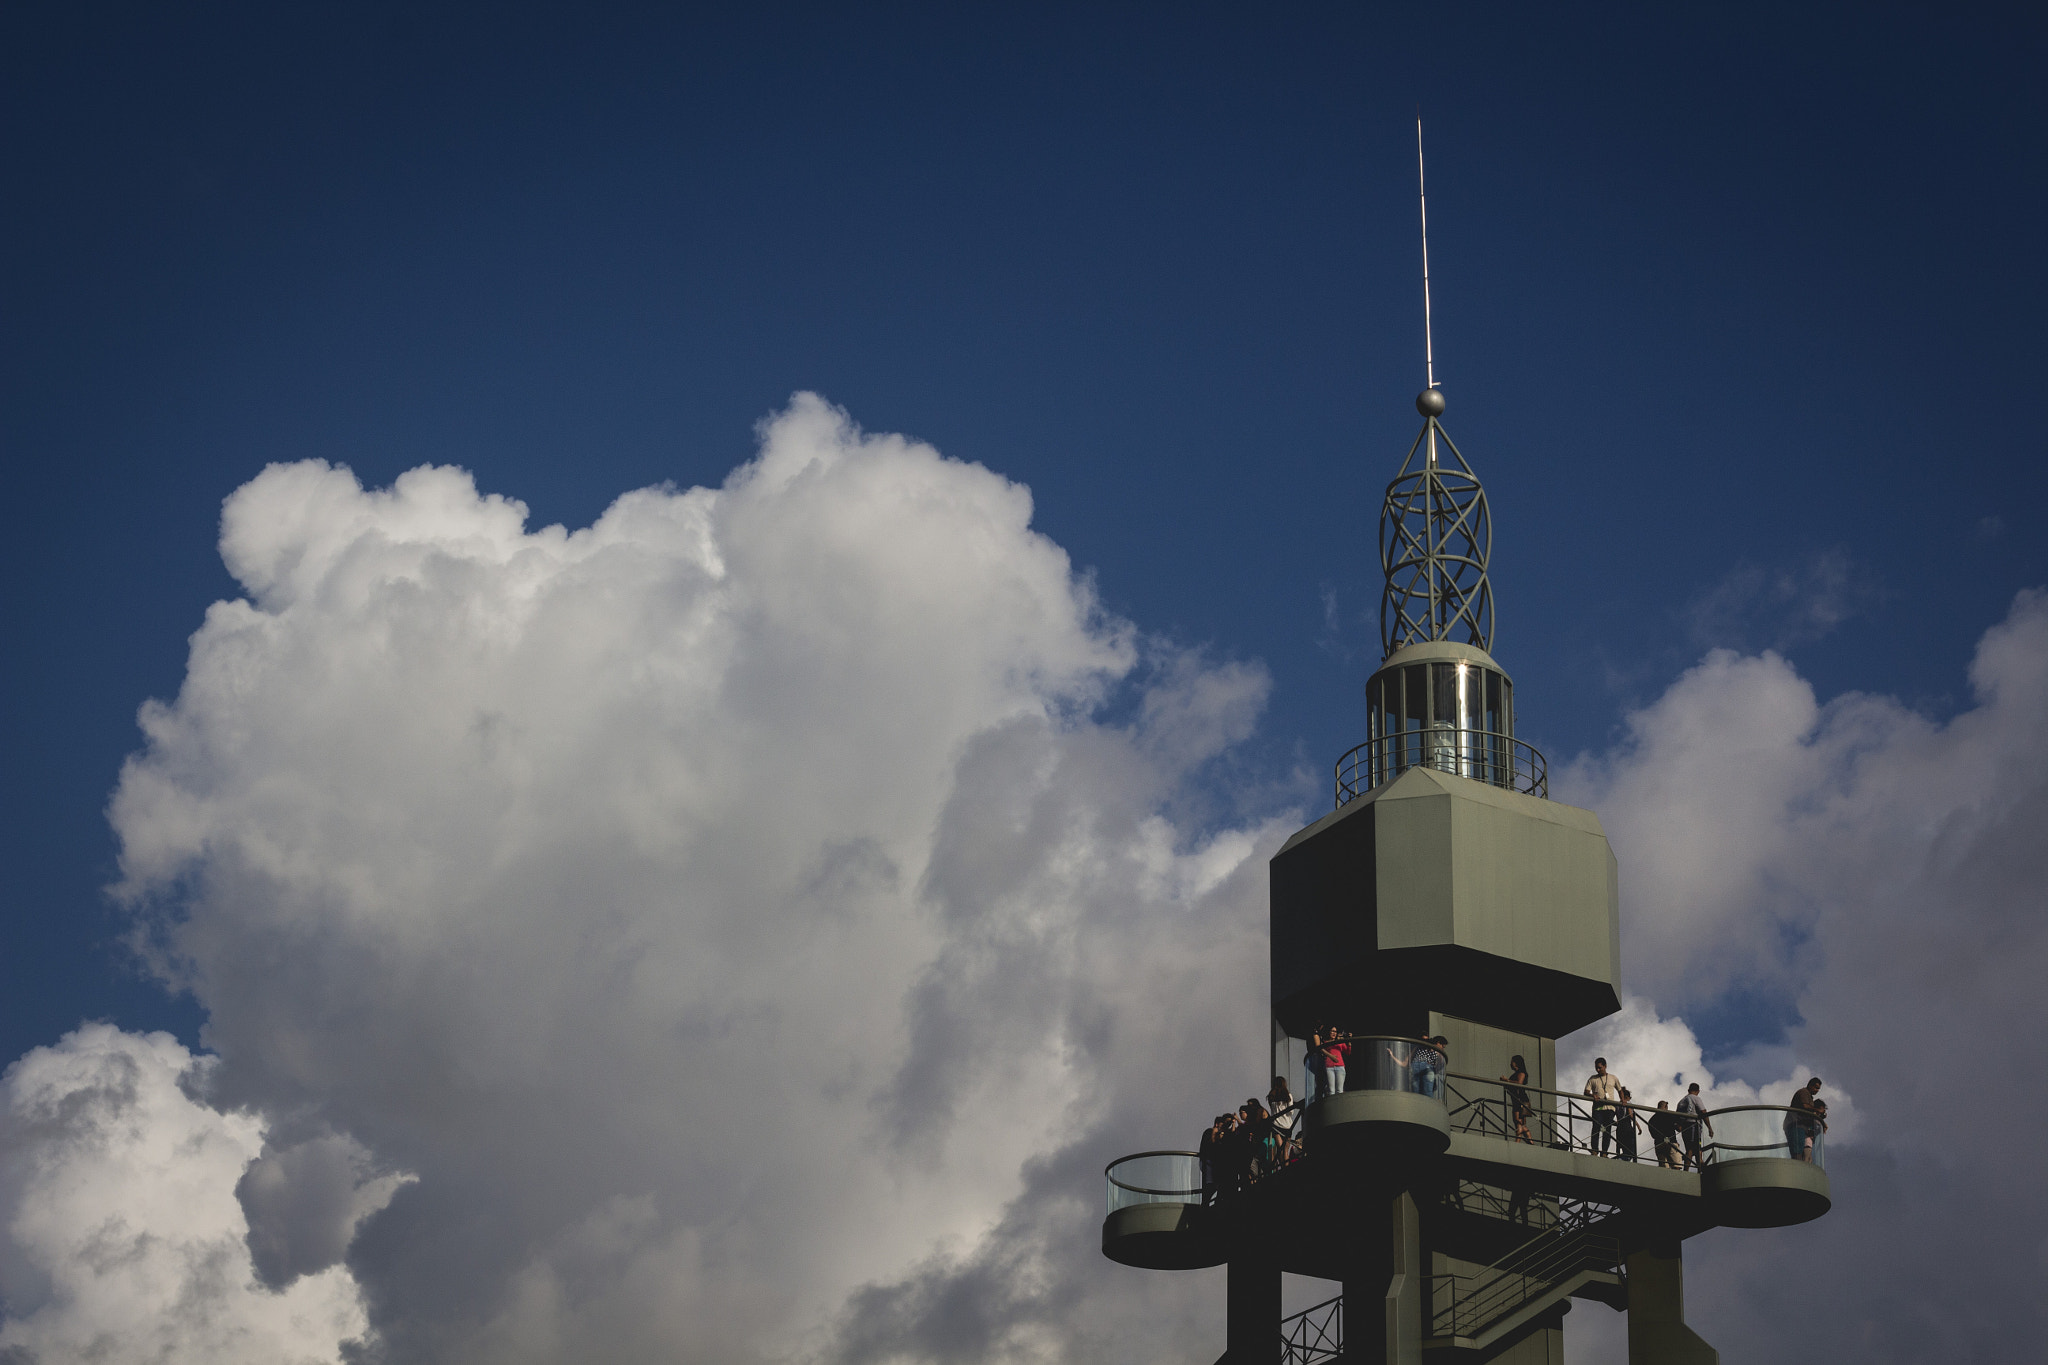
{"x": 1617, "y": 1122}
{"x": 1617, "y": 1119}
{"x": 1238, "y": 1149}
{"x": 1331, "y": 1057}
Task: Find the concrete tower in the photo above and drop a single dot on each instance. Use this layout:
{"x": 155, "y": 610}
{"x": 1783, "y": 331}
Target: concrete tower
{"x": 1446, "y": 898}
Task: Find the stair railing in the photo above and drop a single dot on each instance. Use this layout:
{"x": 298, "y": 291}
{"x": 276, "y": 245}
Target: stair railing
{"x": 1467, "y": 1305}
{"x": 1314, "y": 1335}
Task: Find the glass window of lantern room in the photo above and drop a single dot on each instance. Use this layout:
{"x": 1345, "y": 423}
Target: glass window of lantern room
{"x": 1444, "y": 711}
{"x": 1507, "y": 707}
{"x": 1375, "y": 708}
{"x": 1494, "y": 718}
{"x": 1415, "y": 696}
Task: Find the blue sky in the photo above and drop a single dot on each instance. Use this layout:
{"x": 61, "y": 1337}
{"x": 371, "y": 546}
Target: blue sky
{"x": 1716, "y": 294}
{"x": 1738, "y": 316}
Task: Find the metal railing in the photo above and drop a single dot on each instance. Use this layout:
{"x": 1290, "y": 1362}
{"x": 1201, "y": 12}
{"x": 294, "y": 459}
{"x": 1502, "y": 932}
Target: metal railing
{"x": 1153, "y": 1178}
{"x": 1314, "y": 1335}
{"x": 1467, "y": 1305}
{"x": 1483, "y": 755}
{"x": 1571, "y": 1122}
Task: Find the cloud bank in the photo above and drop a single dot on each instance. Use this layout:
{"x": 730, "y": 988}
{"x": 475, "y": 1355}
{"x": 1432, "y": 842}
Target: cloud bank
{"x": 740, "y": 930}
{"x": 1882, "y": 876}
{"x": 719, "y": 909}
{"x": 125, "y": 1242}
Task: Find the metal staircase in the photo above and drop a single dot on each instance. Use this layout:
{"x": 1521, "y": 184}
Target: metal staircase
{"x": 1314, "y": 1335}
{"x": 1491, "y": 1308}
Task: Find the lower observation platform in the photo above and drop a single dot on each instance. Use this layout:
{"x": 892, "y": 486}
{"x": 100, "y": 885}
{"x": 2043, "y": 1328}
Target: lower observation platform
{"x": 1307, "y": 1215}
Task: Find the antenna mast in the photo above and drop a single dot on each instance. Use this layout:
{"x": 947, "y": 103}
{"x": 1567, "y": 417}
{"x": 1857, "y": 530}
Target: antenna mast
{"x": 1422, "y": 194}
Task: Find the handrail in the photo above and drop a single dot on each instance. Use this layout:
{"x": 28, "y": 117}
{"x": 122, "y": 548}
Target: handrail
{"x": 1384, "y": 1038}
{"x": 1313, "y": 1340}
{"x": 1181, "y": 1167}
{"x": 1558, "y": 1124}
{"x": 1108, "y": 1173}
{"x": 1489, "y": 756}
{"x": 1581, "y": 1095}
{"x": 1528, "y": 1271}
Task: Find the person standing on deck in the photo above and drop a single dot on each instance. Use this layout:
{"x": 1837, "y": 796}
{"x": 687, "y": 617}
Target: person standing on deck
{"x": 1693, "y": 1111}
{"x": 1603, "y": 1087}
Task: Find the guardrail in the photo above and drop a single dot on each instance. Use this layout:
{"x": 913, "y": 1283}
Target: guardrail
{"x": 1153, "y": 1178}
{"x": 1487, "y": 756}
{"x": 1466, "y": 1305}
{"x": 1571, "y": 1122}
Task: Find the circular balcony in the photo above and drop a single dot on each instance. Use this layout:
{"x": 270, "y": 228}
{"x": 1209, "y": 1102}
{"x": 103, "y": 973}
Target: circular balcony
{"x": 1391, "y": 1104}
{"x": 1766, "y": 1168}
{"x": 1155, "y": 1219}
{"x": 1487, "y": 756}
{"x": 1760, "y": 1165}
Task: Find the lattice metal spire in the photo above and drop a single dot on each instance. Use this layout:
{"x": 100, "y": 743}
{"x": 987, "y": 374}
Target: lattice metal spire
{"x": 1435, "y": 531}
{"x": 1435, "y": 537}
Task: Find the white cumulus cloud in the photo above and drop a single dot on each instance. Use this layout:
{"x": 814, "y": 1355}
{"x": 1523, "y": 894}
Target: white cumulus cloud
{"x": 1881, "y": 875}
{"x": 124, "y": 1242}
{"x": 721, "y": 908}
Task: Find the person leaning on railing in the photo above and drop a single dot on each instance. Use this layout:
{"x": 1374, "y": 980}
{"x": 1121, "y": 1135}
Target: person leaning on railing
{"x": 1664, "y": 1133}
{"x": 1603, "y": 1087}
{"x": 1806, "y": 1121}
{"x": 1426, "y": 1065}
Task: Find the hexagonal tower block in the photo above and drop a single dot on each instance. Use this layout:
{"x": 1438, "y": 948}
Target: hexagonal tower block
{"x": 1440, "y": 891}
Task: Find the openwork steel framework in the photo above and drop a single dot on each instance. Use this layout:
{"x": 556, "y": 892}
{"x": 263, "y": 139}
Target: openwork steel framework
{"x": 1435, "y": 537}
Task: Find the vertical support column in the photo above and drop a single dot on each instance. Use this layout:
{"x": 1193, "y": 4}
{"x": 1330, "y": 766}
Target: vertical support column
{"x": 1384, "y": 1293}
{"x": 1253, "y": 1297}
{"x": 1657, "y": 1334}
{"x": 1405, "y": 1286}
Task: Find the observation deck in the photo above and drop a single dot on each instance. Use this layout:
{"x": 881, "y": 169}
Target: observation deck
{"x": 1558, "y": 1170}
{"x": 1447, "y": 895}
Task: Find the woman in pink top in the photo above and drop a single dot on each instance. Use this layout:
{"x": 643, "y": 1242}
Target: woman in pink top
{"x": 1335, "y": 1056}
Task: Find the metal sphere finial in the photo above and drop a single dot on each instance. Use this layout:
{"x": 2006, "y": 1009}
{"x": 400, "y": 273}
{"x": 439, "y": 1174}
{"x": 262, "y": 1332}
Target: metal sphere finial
{"x": 1430, "y": 402}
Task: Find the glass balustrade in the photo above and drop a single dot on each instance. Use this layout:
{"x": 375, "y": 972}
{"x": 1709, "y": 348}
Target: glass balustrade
{"x": 1154, "y": 1178}
{"x": 1767, "y": 1130}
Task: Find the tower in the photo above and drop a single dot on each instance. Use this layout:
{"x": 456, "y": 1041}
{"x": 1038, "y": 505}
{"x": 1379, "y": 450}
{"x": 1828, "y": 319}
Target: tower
{"x": 1444, "y": 919}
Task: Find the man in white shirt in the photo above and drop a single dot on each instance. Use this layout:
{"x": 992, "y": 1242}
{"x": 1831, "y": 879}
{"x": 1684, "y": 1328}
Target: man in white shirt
{"x": 1603, "y": 1087}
